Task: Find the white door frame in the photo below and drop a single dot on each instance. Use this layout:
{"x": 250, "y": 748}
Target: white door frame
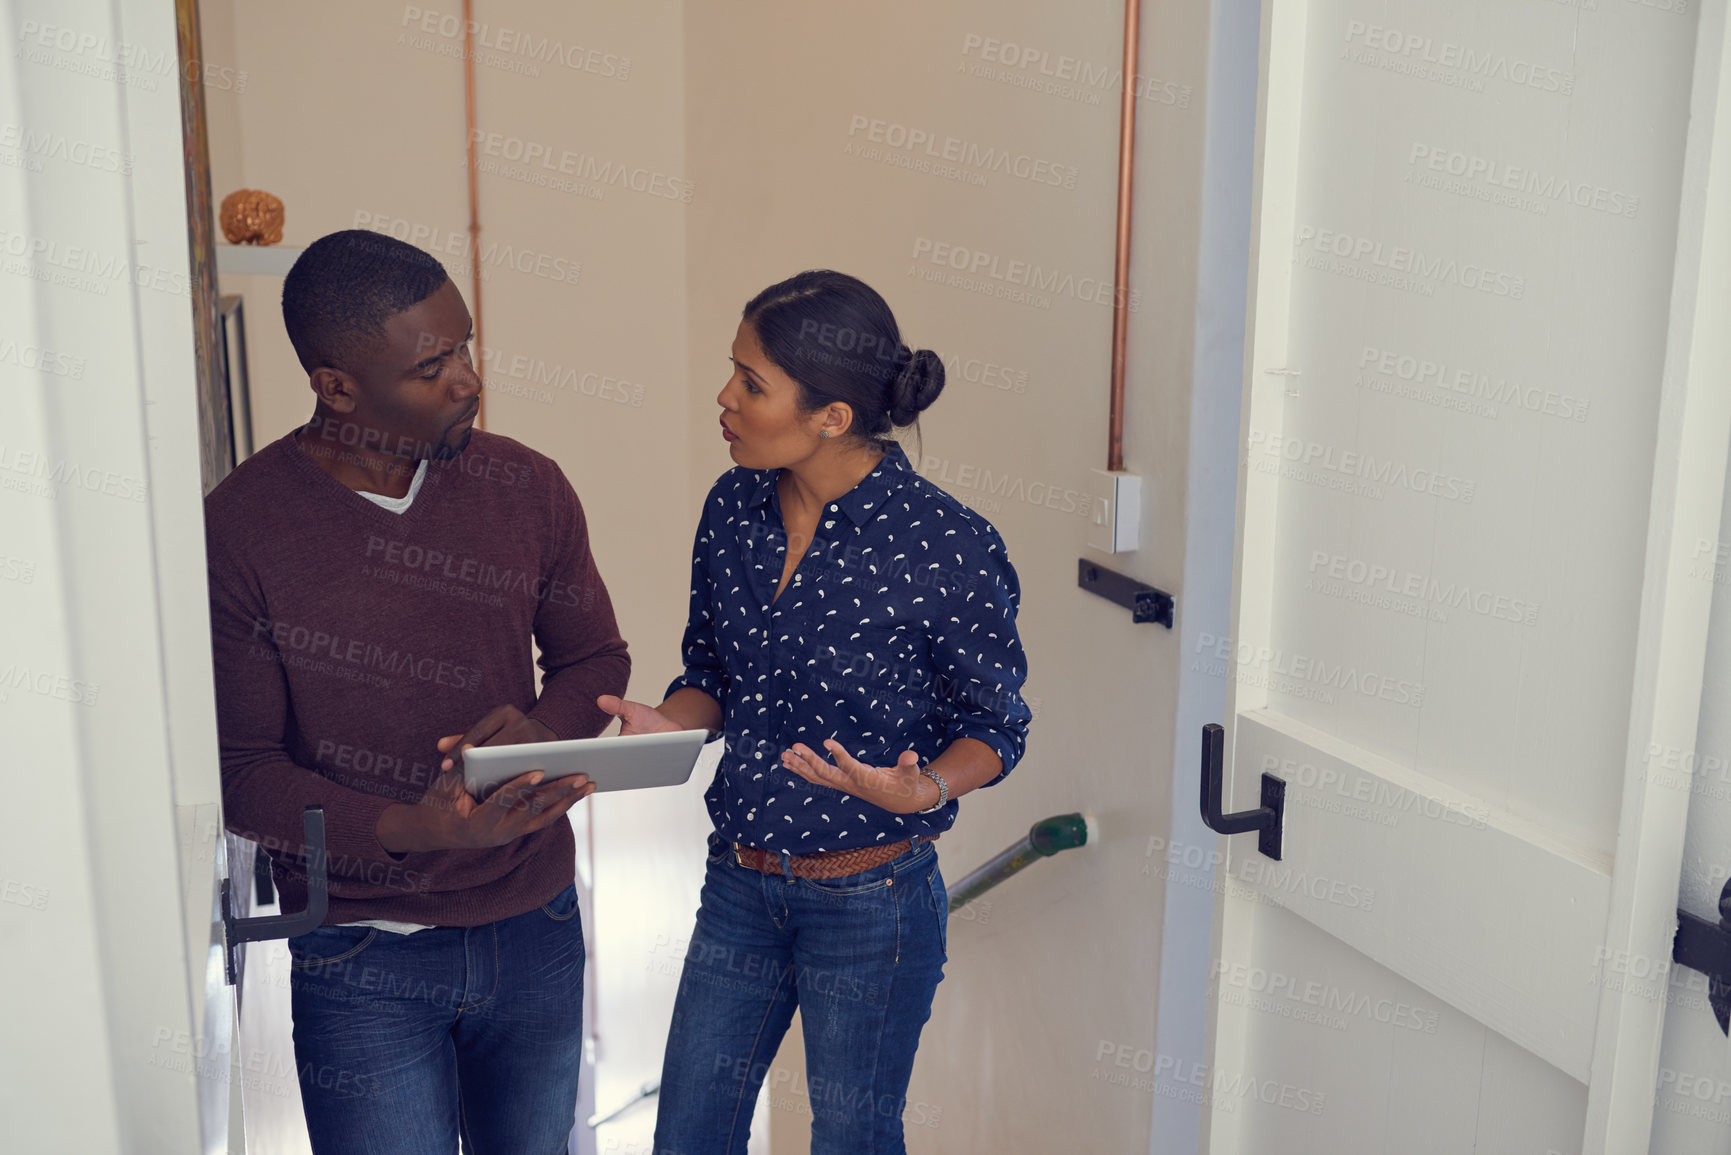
{"x": 119, "y": 1032}
{"x": 1670, "y": 657}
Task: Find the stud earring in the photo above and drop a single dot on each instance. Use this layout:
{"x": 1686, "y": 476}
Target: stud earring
{"x": 823, "y": 433}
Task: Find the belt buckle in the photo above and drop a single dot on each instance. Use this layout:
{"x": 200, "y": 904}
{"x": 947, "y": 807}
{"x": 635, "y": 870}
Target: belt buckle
{"x": 738, "y": 859}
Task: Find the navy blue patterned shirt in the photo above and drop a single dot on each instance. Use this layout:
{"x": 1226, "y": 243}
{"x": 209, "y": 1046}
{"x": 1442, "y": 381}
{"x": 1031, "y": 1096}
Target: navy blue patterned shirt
{"x": 897, "y": 632}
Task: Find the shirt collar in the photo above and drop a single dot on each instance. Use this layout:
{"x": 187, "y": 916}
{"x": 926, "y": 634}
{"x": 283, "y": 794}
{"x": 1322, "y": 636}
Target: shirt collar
{"x": 862, "y": 502}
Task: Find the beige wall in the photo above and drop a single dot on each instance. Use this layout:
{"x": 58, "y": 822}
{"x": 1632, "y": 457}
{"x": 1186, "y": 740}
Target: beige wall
{"x": 1064, "y": 957}
{"x": 353, "y": 115}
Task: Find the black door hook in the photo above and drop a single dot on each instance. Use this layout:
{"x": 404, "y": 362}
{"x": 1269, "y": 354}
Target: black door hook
{"x": 1266, "y": 818}
{"x": 238, "y": 930}
{"x": 1706, "y": 947}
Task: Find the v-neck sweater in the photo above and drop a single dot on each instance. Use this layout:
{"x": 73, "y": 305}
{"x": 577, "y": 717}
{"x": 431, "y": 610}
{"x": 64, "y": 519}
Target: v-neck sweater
{"x": 348, "y": 639}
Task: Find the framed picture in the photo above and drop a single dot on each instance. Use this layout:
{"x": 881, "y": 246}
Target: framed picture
{"x": 236, "y": 382}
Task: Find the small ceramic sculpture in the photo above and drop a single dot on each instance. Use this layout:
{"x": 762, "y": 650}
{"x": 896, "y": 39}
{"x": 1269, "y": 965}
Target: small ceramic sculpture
{"x": 251, "y": 216}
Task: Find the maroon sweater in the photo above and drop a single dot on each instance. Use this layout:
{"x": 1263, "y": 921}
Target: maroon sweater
{"x": 349, "y": 639}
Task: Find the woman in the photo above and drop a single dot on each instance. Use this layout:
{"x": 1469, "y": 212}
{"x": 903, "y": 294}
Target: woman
{"x": 853, "y": 636}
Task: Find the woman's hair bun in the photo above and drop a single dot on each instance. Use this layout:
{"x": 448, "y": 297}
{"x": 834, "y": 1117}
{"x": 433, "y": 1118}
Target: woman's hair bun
{"x": 919, "y": 380}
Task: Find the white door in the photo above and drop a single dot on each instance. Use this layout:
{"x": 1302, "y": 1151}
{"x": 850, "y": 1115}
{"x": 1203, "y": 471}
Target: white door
{"x": 1485, "y": 428}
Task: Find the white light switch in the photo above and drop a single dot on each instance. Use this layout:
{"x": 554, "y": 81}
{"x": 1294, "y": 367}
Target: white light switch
{"x": 1115, "y": 526}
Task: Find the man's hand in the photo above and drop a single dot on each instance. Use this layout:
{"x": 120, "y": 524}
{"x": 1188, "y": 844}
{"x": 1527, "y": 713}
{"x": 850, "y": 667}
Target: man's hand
{"x": 900, "y": 789}
{"x": 635, "y": 717}
{"x": 502, "y": 726}
{"x": 448, "y": 817}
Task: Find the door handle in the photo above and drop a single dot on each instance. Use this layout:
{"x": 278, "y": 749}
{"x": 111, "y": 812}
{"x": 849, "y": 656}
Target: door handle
{"x": 1706, "y": 947}
{"x": 238, "y": 930}
{"x": 1265, "y": 819}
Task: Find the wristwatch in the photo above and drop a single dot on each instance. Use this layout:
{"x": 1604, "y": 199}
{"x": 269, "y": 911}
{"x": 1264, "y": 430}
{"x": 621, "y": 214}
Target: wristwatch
{"x": 943, "y": 789}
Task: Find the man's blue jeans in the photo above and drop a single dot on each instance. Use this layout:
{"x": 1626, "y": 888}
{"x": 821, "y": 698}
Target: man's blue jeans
{"x": 403, "y": 1042}
{"x": 860, "y": 956}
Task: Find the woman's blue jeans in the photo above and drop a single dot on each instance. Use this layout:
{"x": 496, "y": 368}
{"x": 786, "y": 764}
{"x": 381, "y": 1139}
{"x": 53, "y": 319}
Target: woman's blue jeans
{"x": 403, "y": 1042}
{"x": 860, "y": 956}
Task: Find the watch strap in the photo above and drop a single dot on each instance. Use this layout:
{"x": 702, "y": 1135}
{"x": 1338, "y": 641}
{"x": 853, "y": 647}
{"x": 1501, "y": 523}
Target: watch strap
{"x": 943, "y": 789}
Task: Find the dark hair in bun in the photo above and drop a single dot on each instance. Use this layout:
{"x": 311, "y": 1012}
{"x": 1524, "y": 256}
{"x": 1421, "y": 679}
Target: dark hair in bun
{"x": 836, "y": 337}
{"x": 917, "y": 385}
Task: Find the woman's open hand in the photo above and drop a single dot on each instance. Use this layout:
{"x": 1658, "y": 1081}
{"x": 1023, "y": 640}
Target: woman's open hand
{"x": 900, "y": 789}
{"x": 635, "y": 717}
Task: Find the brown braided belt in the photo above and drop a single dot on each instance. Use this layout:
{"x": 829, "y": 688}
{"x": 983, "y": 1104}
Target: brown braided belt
{"x": 824, "y": 864}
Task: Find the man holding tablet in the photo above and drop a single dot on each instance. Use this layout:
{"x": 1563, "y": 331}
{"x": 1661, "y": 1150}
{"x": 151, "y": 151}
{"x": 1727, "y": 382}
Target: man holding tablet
{"x": 379, "y": 578}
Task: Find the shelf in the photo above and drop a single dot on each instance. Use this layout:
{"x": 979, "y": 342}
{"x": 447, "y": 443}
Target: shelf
{"x": 261, "y": 260}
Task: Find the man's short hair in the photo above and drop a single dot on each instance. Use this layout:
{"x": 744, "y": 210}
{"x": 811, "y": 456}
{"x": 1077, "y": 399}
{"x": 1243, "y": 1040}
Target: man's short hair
{"x": 344, "y": 287}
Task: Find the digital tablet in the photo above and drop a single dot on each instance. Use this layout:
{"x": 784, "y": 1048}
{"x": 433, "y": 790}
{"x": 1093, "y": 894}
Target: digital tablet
{"x": 626, "y": 762}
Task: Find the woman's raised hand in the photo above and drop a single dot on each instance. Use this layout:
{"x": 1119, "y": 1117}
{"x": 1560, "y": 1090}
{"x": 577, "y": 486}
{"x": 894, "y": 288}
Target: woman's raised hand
{"x": 635, "y": 717}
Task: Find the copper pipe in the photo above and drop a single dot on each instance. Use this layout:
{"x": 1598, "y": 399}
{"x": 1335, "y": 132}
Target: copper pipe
{"x": 474, "y": 197}
{"x": 1121, "y": 269}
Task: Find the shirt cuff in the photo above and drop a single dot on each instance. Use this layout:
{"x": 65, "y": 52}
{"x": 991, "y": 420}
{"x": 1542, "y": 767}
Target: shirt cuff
{"x": 1001, "y": 746}
{"x": 710, "y": 682}
{"x": 563, "y": 722}
{"x": 353, "y": 829}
